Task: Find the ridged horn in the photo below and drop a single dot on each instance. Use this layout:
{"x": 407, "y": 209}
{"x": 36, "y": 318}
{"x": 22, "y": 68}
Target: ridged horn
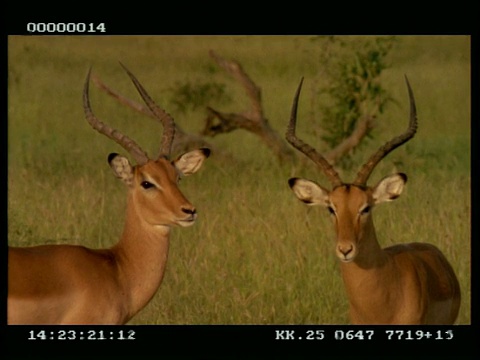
{"x": 165, "y": 118}
{"x": 128, "y": 144}
{"x": 306, "y": 149}
{"x": 384, "y": 150}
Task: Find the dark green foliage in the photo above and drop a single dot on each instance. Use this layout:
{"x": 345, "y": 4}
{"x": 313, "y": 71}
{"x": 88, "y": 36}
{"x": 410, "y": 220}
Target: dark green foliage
{"x": 350, "y": 87}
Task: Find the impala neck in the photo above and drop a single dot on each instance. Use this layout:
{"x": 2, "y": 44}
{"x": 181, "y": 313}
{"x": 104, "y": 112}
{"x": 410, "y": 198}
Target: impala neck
{"x": 365, "y": 274}
{"x": 370, "y": 259}
{"x": 141, "y": 256}
{"x": 370, "y": 254}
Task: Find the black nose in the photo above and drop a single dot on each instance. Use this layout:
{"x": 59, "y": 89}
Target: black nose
{"x": 344, "y": 251}
{"x": 189, "y": 211}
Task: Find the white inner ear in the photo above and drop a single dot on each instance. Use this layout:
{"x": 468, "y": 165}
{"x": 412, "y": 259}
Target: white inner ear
{"x": 389, "y": 188}
{"x": 190, "y": 162}
{"x": 309, "y": 192}
{"x": 122, "y": 169}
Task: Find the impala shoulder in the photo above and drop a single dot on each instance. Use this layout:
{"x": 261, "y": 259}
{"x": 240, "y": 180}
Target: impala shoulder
{"x": 422, "y": 256}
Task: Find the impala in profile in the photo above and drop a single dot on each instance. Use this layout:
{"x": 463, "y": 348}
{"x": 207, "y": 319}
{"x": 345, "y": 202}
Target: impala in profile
{"x": 67, "y": 284}
{"x": 401, "y": 284}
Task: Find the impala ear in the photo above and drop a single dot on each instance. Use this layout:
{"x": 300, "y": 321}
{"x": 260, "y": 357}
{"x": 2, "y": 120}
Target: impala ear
{"x": 190, "y": 162}
{"x": 389, "y": 188}
{"x": 309, "y": 192}
{"x": 121, "y": 167}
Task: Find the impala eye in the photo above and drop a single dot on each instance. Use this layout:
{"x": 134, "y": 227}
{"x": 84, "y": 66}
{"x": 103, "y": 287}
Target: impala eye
{"x": 331, "y": 210}
{"x": 365, "y": 210}
{"x": 147, "y": 185}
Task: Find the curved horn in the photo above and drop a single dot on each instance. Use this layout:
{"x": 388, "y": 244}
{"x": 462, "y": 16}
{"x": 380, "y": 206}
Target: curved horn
{"x": 128, "y": 144}
{"x": 165, "y": 118}
{"x": 384, "y": 150}
{"x": 306, "y": 149}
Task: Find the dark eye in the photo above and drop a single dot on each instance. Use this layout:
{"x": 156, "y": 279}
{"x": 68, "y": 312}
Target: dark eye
{"x": 365, "y": 210}
{"x": 147, "y": 185}
{"x": 330, "y": 210}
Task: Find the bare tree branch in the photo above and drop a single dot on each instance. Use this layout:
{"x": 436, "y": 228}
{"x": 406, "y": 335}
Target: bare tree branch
{"x": 348, "y": 144}
{"x": 252, "y": 120}
{"x": 183, "y": 141}
{"x": 361, "y": 130}
{"x": 252, "y": 90}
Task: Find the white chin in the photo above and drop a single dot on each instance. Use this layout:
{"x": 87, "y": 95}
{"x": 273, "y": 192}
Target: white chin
{"x": 185, "y": 223}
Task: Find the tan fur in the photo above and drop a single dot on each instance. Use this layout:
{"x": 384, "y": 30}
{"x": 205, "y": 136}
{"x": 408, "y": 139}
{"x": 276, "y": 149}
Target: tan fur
{"x": 402, "y": 284}
{"x": 66, "y": 284}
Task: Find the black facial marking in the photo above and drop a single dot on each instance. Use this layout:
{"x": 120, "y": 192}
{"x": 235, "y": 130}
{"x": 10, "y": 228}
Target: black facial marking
{"x": 292, "y": 181}
{"x": 111, "y": 157}
{"x": 206, "y": 152}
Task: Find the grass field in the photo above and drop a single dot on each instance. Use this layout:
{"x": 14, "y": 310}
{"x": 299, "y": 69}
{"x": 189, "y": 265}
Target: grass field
{"x": 257, "y": 255}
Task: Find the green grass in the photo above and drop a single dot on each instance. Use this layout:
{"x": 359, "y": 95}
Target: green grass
{"x": 257, "y": 255}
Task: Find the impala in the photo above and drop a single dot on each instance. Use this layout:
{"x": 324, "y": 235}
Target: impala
{"x": 401, "y": 284}
{"x": 67, "y": 284}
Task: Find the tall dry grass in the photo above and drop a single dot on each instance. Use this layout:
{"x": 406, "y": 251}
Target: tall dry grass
{"x": 257, "y": 255}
